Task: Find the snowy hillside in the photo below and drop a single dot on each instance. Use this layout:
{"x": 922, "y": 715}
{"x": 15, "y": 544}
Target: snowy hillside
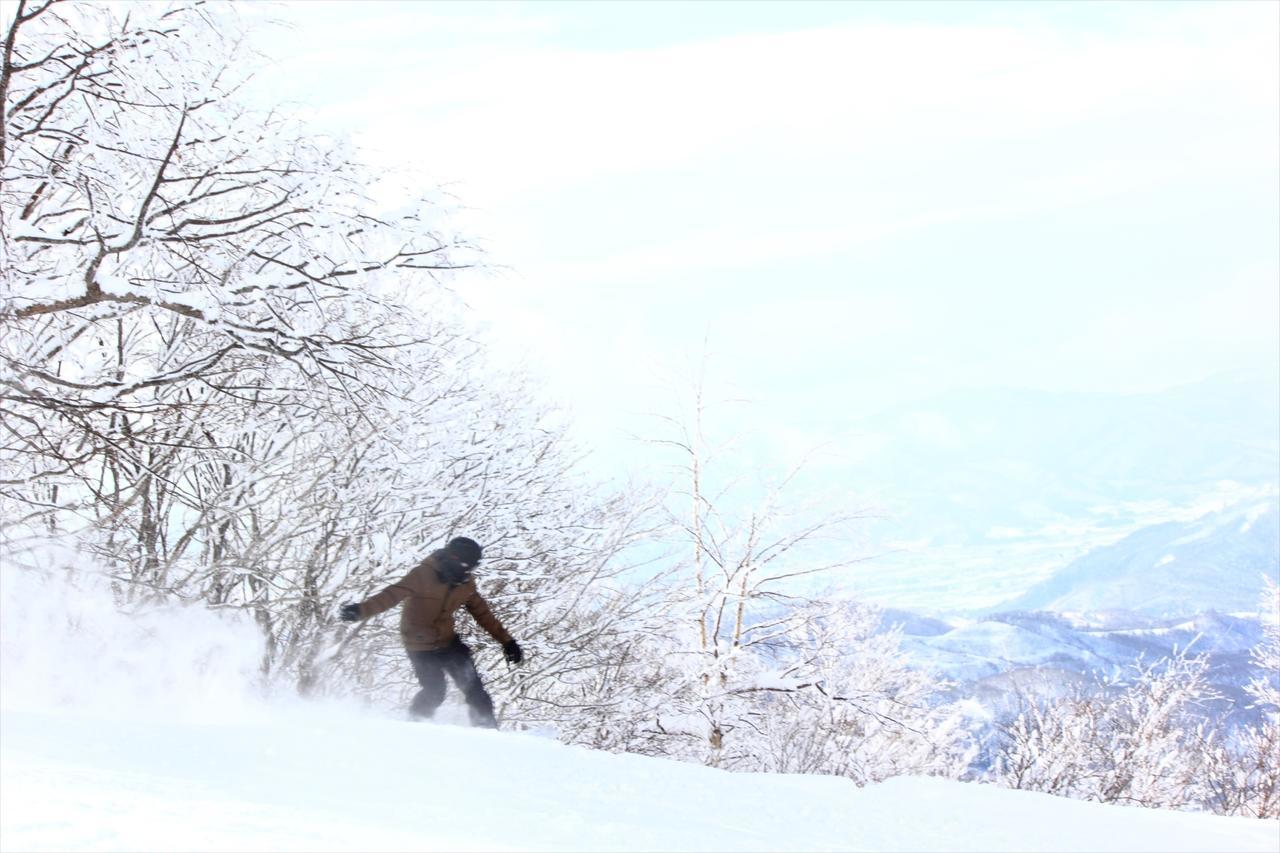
{"x": 1213, "y": 563}
{"x": 140, "y": 731}
{"x": 335, "y": 779}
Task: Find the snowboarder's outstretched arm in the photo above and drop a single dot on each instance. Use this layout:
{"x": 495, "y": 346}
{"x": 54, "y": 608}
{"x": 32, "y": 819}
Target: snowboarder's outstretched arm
{"x": 384, "y": 600}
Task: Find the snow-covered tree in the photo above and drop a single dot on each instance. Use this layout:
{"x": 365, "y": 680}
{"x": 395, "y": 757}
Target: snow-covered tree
{"x": 1243, "y": 772}
{"x": 868, "y": 714}
{"x": 732, "y": 613}
{"x": 1148, "y": 741}
{"x": 1136, "y": 742}
{"x": 749, "y": 669}
{"x": 1265, "y": 686}
{"x": 168, "y": 255}
{"x": 243, "y": 378}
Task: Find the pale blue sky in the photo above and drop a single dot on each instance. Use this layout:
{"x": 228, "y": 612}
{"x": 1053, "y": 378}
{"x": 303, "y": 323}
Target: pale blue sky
{"x": 861, "y": 203}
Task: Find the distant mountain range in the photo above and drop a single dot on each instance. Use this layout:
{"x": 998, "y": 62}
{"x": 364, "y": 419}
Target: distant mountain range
{"x": 1008, "y": 655}
{"x": 958, "y": 467}
{"x": 1036, "y": 541}
{"x": 990, "y": 495}
{"x": 1169, "y": 588}
{"x": 1167, "y": 570}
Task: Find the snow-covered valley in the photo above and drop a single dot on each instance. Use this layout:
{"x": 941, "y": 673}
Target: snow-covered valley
{"x": 1175, "y": 587}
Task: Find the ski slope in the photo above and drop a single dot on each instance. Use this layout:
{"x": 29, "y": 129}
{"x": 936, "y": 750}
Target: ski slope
{"x": 336, "y": 779}
{"x": 139, "y": 731}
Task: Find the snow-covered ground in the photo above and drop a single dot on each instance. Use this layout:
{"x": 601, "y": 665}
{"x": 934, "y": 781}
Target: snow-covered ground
{"x": 334, "y": 779}
{"x": 137, "y": 732}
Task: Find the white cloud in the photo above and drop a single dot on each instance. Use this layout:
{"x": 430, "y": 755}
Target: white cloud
{"x": 523, "y": 120}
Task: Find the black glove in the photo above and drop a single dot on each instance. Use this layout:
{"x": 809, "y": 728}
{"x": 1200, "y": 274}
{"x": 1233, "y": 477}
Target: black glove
{"x": 512, "y": 650}
{"x": 349, "y": 612}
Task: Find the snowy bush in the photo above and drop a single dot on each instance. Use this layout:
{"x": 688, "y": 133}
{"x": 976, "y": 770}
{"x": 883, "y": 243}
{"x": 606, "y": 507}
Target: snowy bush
{"x": 1143, "y": 741}
{"x": 1243, "y": 772}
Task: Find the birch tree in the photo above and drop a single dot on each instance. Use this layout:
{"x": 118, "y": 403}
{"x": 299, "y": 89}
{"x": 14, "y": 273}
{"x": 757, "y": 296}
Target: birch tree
{"x": 753, "y": 672}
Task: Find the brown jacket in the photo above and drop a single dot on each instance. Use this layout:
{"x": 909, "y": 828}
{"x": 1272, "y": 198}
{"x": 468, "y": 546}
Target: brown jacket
{"x": 426, "y": 621}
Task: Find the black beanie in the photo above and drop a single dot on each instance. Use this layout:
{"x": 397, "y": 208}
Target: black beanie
{"x": 465, "y": 550}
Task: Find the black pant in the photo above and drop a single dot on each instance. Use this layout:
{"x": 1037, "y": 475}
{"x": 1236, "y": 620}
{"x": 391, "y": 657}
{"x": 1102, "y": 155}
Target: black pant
{"x": 454, "y": 659}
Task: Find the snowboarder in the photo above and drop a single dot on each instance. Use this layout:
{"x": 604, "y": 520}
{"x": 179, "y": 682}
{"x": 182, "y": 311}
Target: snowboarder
{"x": 431, "y": 592}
